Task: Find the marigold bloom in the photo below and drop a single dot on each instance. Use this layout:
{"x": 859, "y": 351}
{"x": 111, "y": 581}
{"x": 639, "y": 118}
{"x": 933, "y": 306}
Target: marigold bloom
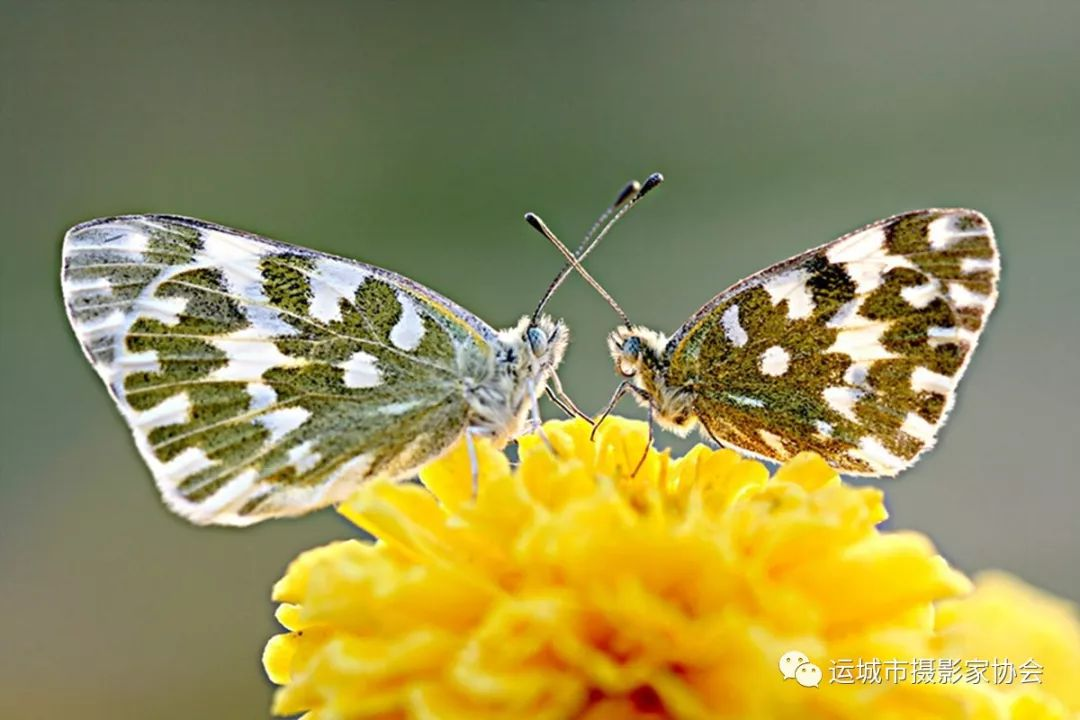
{"x": 567, "y": 589}
{"x": 1006, "y": 619}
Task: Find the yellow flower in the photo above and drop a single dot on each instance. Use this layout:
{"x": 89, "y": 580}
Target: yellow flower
{"x": 568, "y": 589}
{"x": 1038, "y": 635}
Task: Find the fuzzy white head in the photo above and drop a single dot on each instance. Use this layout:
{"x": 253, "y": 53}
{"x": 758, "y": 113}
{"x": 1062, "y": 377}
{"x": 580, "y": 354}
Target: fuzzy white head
{"x": 525, "y": 357}
{"x": 639, "y": 358}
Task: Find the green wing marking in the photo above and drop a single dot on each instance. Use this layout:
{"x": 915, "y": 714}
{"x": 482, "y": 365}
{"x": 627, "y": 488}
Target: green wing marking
{"x": 852, "y": 350}
{"x": 262, "y": 379}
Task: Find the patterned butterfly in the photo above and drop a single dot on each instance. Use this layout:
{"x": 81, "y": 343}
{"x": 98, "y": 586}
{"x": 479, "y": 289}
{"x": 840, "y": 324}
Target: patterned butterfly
{"x": 852, "y": 350}
{"x": 262, "y": 379}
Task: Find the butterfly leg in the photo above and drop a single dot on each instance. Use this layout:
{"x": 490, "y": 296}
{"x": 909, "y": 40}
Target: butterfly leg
{"x": 713, "y": 437}
{"x": 558, "y": 396}
{"x": 530, "y": 387}
{"x": 619, "y": 392}
{"x": 559, "y": 402}
{"x": 474, "y": 462}
{"x": 648, "y": 443}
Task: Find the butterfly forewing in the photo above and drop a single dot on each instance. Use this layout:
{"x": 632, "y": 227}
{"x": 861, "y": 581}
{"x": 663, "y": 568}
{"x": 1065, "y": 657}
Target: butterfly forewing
{"x": 852, "y": 350}
{"x": 260, "y": 378}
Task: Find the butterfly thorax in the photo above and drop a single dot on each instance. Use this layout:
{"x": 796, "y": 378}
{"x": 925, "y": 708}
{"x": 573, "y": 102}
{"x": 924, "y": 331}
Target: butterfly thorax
{"x": 501, "y": 397}
{"x": 639, "y": 357}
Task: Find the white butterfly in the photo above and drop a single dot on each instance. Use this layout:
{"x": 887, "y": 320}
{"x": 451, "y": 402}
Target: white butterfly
{"x": 852, "y": 350}
{"x": 262, "y": 379}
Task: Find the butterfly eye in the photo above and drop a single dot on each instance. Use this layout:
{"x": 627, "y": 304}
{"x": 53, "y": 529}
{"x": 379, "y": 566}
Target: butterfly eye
{"x": 629, "y": 356}
{"x": 537, "y": 341}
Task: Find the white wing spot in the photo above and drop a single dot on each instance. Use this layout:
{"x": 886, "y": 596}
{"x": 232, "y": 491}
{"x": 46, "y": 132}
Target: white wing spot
{"x": 863, "y": 342}
{"x": 857, "y": 373}
{"x": 303, "y": 457}
{"x": 774, "y": 442}
{"x": 105, "y": 326}
{"x": 145, "y": 361}
{"x": 919, "y": 296}
{"x": 262, "y": 396}
{"x": 282, "y": 422}
{"x": 940, "y": 233}
{"x": 249, "y": 354}
{"x": 857, "y": 247}
{"x": 347, "y": 476}
{"x": 324, "y": 302}
{"x": 878, "y": 456}
{"x": 972, "y": 265}
{"x": 866, "y": 276}
{"x": 842, "y": 400}
{"x": 824, "y": 428}
{"x": 331, "y": 282}
{"x": 923, "y": 379}
{"x": 361, "y": 371}
{"x": 865, "y": 259}
{"x": 230, "y": 494}
{"x": 409, "y": 329}
{"x": 844, "y": 315}
{"x": 943, "y": 232}
{"x": 266, "y": 319}
{"x": 733, "y": 331}
{"x": 400, "y": 408}
{"x": 186, "y": 464}
{"x": 791, "y": 286}
{"x": 100, "y": 285}
{"x": 775, "y": 361}
{"x": 237, "y": 258}
{"x": 950, "y": 335}
{"x": 963, "y": 297}
{"x": 745, "y": 400}
{"x": 164, "y": 309}
{"x": 917, "y": 427}
{"x": 174, "y": 410}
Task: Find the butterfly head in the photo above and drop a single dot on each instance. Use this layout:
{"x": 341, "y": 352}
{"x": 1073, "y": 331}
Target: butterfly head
{"x": 639, "y": 358}
{"x": 526, "y": 355}
{"x": 544, "y": 344}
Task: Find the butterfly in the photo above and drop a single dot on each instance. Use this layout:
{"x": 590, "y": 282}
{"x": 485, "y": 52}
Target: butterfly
{"x": 262, "y": 379}
{"x": 852, "y": 350}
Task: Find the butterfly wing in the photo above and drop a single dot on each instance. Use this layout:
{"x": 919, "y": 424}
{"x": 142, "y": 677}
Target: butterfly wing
{"x": 852, "y": 350}
{"x": 262, "y": 379}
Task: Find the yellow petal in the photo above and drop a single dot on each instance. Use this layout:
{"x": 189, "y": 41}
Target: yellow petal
{"x": 571, "y": 587}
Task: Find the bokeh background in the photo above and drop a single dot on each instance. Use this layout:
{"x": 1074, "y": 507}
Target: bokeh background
{"x": 414, "y": 136}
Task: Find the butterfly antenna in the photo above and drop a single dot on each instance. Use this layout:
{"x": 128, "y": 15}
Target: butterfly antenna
{"x": 627, "y": 198}
{"x": 628, "y": 202}
{"x": 631, "y": 189}
{"x": 572, "y": 262}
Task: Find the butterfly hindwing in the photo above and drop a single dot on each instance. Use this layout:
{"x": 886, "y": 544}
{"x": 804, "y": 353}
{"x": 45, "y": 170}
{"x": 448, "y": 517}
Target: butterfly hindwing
{"x": 852, "y": 350}
{"x": 260, "y": 378}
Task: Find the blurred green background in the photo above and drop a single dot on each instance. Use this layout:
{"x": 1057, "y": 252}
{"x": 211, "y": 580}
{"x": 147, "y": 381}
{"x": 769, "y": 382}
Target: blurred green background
{"x": 414, "y": 136}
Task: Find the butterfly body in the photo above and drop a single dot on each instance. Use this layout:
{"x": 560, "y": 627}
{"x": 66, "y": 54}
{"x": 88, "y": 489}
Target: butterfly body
{"x": 852, "y": 350}
{"x": 262, "y": 379}
{"x": 639, "y": 355}
{"x": 500, "y": 396}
